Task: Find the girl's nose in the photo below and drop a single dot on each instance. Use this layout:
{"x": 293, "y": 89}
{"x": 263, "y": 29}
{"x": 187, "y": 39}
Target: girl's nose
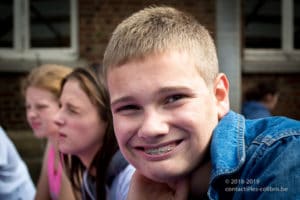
{"x": 58, "y": 119}
{"x": 31, "y": 113}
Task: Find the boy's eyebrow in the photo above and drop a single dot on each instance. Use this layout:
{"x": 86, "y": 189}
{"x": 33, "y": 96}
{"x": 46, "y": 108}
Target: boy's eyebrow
{"x": 172, "y": 89}
{"x": 120, "y": 100}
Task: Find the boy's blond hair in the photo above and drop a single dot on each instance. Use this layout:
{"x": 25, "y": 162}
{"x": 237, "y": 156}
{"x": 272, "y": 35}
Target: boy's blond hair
{"x": 157, "y": 30}
{"x": 47, "y": 77}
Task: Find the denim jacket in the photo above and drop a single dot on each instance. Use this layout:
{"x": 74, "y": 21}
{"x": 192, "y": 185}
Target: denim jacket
{"x": 255, "y": 110}
{"x": 255, "y": 159}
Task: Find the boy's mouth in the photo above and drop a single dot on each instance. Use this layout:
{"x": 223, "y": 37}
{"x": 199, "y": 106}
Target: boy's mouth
{"x": 160, "y": 150}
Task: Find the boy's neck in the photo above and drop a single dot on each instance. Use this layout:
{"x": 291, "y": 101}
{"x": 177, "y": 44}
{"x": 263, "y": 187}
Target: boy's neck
{"x": 199, "y": 181}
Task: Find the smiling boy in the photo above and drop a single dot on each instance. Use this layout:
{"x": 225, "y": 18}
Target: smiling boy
{"x": 173, "y": 122}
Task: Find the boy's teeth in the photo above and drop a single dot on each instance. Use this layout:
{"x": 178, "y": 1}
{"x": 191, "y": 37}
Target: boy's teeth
{"x": 160, "y": 150}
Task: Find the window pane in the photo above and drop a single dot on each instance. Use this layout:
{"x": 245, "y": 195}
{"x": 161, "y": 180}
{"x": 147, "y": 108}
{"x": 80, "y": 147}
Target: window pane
{"x": 50, "y": 23}
{"x": 6, "y": 21}
{"x": 262, "y": 21}
{"x": 297, "y": 24}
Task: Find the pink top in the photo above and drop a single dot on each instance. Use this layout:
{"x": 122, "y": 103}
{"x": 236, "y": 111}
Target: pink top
{"x": 54, "y": 175}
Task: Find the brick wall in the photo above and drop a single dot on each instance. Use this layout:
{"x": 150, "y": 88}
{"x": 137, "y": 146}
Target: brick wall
{"x": 12, "y": 115}
{"x": 99, "y": 18}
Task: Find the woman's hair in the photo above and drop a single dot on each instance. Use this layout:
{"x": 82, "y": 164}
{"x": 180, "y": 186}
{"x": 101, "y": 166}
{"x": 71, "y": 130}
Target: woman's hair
{"x": 94, "y": 89}
{"x": 157, "y": 30}
{"x": 47, "y": 77}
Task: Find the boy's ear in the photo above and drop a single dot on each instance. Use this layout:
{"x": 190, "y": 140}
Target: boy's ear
{"x": 221, "y": 92}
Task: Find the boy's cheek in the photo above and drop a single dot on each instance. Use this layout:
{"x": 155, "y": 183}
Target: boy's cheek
{"x": 121, "y": 133}
{"x": 124, "y": 127}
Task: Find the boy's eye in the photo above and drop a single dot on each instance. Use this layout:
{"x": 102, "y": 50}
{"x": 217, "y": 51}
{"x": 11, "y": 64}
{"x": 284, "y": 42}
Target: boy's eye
{"x": 174, "y": 98}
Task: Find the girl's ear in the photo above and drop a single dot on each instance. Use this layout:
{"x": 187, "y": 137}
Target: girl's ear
{"x": 221, "y": 92}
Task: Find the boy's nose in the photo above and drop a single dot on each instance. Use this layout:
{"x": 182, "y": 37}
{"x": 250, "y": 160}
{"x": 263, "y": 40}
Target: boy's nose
{"x": 153, "y": 125}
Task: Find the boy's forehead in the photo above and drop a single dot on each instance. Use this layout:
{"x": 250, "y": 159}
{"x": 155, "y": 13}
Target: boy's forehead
{"x": 167, "y": 69}
{"x": 164, "y": 61}
{"x": 153, "y": 55}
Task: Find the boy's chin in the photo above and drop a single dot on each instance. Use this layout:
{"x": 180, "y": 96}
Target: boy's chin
{"x": 166, "y": 176}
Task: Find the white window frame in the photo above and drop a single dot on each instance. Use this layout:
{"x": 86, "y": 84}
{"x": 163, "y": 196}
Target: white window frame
{"x": 284, "y": 60}
{"x": 21, "y": 48}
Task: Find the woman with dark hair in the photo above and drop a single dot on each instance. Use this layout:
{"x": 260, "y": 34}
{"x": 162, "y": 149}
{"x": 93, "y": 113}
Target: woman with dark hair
{"x": 86, "y": 137}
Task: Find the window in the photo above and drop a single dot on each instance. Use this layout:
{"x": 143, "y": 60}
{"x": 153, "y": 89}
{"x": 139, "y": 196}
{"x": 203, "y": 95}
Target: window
{"x": 271, "y": 35}
{"x": 296, "y": 12}
{"x": 6, "y": 34}
{"x": 38, "y": 29}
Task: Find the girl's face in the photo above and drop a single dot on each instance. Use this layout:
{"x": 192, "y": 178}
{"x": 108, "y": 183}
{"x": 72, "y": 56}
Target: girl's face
{"x": 81, "y": 129}
{"x": 41, "y": 106}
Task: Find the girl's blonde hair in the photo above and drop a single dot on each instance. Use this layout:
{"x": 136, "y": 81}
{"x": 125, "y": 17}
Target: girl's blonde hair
{"x": 47, "y": 77}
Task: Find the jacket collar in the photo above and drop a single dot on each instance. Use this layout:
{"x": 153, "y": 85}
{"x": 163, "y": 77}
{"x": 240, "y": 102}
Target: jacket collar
{"x": 228, "y": 145}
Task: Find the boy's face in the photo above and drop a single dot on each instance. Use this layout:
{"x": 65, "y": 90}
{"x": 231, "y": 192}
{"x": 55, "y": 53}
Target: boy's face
{"x": 164, "y": 113}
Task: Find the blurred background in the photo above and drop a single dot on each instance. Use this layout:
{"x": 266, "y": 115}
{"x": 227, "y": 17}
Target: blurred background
{"x": 257, "y": 40}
